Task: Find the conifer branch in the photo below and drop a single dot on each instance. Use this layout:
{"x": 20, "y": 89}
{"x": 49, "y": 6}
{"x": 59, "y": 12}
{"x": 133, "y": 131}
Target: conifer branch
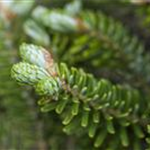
{"x": 82, "y": 101}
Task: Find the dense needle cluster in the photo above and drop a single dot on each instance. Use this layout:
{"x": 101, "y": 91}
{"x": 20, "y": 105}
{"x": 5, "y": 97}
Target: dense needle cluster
{"x": 78, "y": 96}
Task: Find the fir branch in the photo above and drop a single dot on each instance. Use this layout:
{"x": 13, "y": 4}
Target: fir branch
{"x": 82, "y": 101}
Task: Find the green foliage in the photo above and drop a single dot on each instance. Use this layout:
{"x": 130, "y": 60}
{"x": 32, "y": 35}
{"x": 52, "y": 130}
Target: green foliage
{"x": 84, "y": 103}
{"x": 96, "y": 35}
{"x": 99, "y": 45}
{"x": 104, "y": 105}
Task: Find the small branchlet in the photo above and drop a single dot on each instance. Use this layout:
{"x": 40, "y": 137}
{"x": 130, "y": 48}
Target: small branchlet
{"x": 79, "y": 97}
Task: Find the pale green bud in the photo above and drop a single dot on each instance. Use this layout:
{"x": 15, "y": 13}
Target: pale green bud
{"x": 33, "y": 54}
{"x": 38, "y": 56}
{"x": 60, "y": 22}
{"x": 25, "y": 73}
{"x": 49, "y": 86}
